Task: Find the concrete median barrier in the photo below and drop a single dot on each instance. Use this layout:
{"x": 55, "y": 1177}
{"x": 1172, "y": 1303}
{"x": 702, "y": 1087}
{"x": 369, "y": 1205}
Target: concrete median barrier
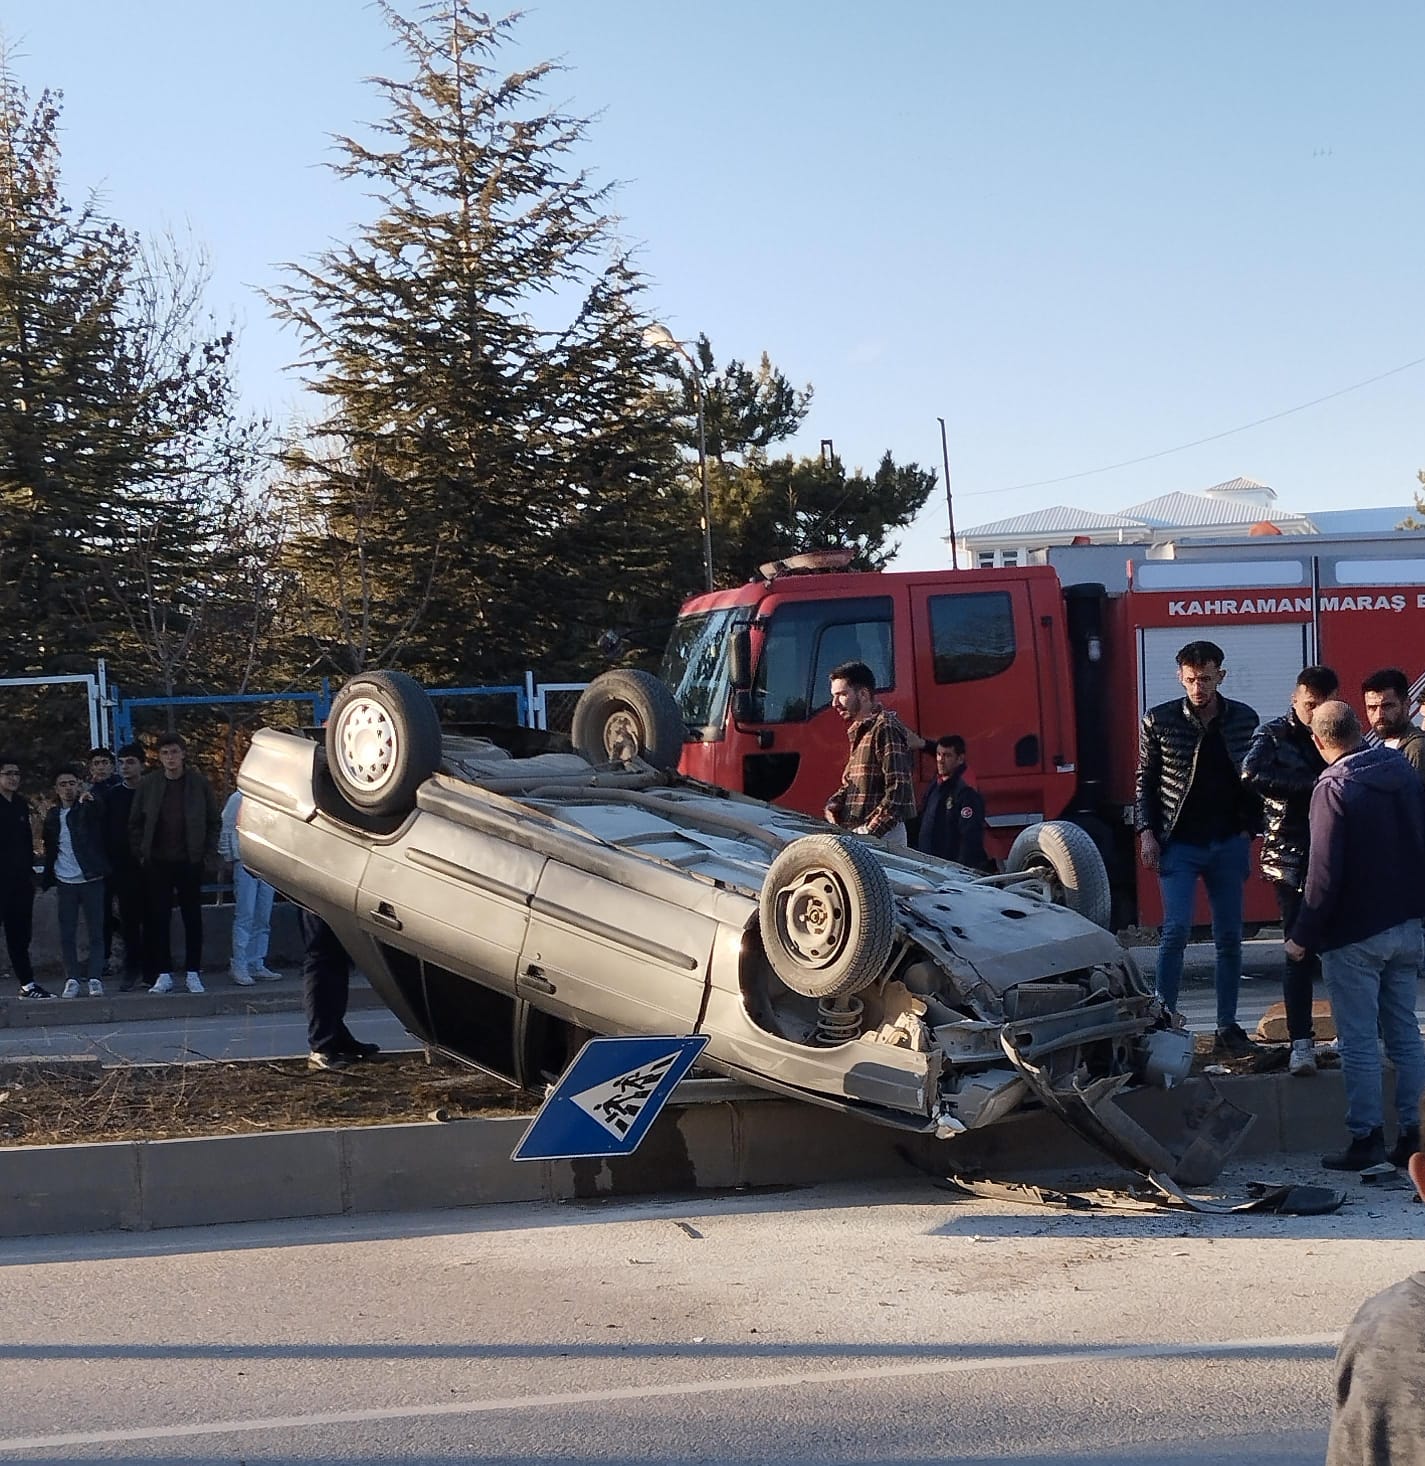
{"x": 726, "y": 1136}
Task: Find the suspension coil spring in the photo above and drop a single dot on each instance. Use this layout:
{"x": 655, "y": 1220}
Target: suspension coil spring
{"x": 838, "y": 1021}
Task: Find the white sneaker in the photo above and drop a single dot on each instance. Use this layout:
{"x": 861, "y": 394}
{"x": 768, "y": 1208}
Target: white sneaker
{"x": 195, "y": 983}
{"x": 1303, "y": 1057}
{"x": 96, "y": 988}
{"x": 164, "y": 983}
{"x": 71, "y": 989}
{"x": 241, "y": 978}
{"x": 265, "y": 974}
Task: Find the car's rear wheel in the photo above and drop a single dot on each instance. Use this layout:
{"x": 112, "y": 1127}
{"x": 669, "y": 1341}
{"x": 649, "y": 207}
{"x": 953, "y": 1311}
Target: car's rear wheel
{"x": 1065, "y": 857}
{"x": 827, "y": 916}
{"x": 628, "y": 714}
{"x": 383, "y": 741}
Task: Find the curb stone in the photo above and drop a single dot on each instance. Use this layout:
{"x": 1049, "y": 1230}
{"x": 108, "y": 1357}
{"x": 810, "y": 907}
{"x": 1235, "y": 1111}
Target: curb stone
{"x": 725, "y": 1136}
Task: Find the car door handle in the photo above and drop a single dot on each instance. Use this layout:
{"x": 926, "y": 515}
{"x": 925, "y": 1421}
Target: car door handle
{"x": 382, "y": 915}
{"x": 533, "y": 978}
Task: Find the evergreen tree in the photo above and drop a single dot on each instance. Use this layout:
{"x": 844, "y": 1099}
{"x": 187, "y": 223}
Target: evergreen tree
{"x": 487, "y": 470}
{"x": 120, "y": 448}
{"x": 766, "y": 508}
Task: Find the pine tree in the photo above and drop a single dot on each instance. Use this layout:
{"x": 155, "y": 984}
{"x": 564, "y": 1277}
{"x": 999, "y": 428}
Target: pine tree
{"x": 490, "y": 448}
{"x": 121, "y": 451}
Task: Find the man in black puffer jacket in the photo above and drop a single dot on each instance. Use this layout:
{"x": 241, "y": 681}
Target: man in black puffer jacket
{"x": 1282, "y": 765}
{"x": 1195, "y": 819}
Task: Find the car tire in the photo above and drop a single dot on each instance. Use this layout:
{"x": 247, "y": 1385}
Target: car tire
{"x": 625, "y": 714}
{"x": 382, "y": 742}
{"x": 827, "y": 916}
{"x": 1066, "y": 856}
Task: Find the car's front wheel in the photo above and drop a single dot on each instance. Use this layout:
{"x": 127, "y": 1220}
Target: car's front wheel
{"x": 827, "y": 916}
{"x": 1065, "y": 857}
{"x": 628, "y": 714}
{"x": 382, "y": 741}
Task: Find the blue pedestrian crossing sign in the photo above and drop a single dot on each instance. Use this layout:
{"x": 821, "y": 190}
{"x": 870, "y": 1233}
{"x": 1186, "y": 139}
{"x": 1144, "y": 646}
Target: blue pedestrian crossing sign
{"x": 608, "y": 1097}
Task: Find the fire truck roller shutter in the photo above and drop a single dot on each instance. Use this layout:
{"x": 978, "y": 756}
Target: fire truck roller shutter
{"x": 1066, "y": 856}
{"x": 1262, "y": 662}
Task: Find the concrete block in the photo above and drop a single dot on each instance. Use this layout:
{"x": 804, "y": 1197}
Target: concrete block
{"x": 241, "y": 1178}
{"x": 464, "y": 1163}
{"x": 786, "y": 1142}
{"x": 1271, "y": 1027}
{"x": 687, "y": 1148}
{"x": 53, "y": 1189}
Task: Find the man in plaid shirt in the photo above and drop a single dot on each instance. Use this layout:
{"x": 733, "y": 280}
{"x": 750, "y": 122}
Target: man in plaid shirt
{"x": 877, "y": 793}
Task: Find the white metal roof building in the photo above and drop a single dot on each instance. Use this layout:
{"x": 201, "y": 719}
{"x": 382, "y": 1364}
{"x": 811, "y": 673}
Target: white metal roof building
{"x": 1240, "y": 506}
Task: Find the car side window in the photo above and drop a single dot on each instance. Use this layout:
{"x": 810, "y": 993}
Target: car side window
{"x": 971, "y": 635}
{"x": 805, "y": 640}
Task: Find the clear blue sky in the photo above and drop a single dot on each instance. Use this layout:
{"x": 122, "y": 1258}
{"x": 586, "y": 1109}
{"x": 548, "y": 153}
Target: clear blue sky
{"x": 1082, "y": 233}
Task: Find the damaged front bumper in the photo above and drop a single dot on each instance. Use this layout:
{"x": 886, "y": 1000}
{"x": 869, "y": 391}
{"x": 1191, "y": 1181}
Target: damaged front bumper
{"x": 1182, "y": 1128}
{"x": 1195, "y": 1130}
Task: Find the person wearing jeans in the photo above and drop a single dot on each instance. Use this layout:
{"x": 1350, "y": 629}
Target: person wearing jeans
{"x": 1195, "y": 819}
{"x": 1361, "y": 910}
{"x": 75, "y": 862}
{"x": 252, "y": 905}
{"x": 1221, "y": 866}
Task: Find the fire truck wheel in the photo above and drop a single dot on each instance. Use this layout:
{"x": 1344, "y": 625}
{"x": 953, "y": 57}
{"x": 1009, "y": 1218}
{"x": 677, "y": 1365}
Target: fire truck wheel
{"x": 827, "y": 916}
{"x": 1067, "y": 858}
{"x": 626, "y": 714}
{"x": 382, "y": 742}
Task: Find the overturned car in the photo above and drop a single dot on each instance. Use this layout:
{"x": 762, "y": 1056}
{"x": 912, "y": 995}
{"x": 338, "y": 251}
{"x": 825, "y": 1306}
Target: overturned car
{"x": 508, "y": 901}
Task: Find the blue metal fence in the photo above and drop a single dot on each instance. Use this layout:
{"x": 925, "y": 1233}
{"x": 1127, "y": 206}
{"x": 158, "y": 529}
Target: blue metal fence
{"x": 527, "y": 701}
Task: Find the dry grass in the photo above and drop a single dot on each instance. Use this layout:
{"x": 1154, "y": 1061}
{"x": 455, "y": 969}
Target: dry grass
{"x": 56, "y": 1105}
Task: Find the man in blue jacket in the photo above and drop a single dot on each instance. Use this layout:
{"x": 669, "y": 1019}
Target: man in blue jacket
{"x": 1361, "y": 911}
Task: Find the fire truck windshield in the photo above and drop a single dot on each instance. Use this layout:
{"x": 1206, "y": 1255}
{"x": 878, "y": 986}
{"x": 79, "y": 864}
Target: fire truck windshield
{"x": 695, "y": 666}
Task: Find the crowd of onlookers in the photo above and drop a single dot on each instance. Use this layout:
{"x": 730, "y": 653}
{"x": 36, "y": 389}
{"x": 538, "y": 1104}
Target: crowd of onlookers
{"x": 123, "y": 845}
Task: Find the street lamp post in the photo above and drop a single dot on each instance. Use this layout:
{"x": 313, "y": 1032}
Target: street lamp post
{"x": 656, "y": 335}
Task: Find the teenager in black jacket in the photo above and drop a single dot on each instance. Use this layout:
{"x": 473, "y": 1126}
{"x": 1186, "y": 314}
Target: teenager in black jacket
{"x": 1282, "y": 765}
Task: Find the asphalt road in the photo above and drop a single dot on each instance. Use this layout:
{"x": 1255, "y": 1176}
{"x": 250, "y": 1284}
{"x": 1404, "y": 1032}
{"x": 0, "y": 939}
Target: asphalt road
{"x": 893, "y": 1324}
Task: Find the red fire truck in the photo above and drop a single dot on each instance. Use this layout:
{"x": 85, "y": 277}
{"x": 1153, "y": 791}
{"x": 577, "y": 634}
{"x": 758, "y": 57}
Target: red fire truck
{"x": 1044, "y": 675}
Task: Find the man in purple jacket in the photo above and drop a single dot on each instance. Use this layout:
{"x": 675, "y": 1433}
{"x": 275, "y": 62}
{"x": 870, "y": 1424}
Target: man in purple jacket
{"x": 1361, "y": 911}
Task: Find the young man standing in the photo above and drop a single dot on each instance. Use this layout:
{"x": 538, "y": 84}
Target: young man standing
{"x": 1386, "y": 695}
{"x": 75, "y": 862}
{"x": 1195, "y": 820}
{"x": 952, "y": 820}
{"x": 17, "y": 878}
{"x": 1361, "y": 911}
{"x": 173, "y": 829}
{"x": 877, "y": 791}
{"x": 1282, "y": 765}
{"x": 125, "y": 891}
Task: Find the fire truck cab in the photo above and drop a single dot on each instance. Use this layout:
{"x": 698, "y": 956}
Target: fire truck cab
{"x": 1045, "y": 680}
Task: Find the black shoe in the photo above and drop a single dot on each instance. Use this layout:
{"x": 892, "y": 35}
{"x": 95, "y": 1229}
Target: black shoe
{"x": 355, "y": 1049}
{"x": 1406, "y": 1144}
{"x": 34, "y": 990}
{"x": 1363, "y": 1152}
{"x": 128, "y": 984}
{"x": 334, "y": 1061}
{"x": 1234, "y": 1042}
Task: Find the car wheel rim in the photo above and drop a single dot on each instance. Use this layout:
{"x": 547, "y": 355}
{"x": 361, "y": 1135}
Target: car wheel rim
{"x": 366, "y": 744}
{"x": 623, "y": 736}
{"x": 812, "y": 919}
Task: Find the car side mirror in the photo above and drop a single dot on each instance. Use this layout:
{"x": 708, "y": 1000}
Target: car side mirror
{"x": 739, "y": 660}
